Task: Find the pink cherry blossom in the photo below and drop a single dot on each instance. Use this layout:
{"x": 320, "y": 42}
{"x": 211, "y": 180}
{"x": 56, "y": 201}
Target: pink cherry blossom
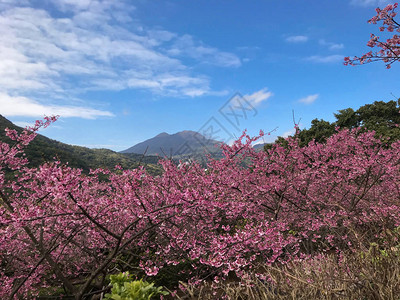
{"x": 390, "y": 49}
{"x": 59, "y": 226}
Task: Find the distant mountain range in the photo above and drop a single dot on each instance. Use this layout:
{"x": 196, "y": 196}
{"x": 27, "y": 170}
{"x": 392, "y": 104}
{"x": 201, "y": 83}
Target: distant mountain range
{"x": 43, "y": 149}
{"x": 183, "y": 144}
{"x": 259, "y": 146}
{"x": 179, "y": 146}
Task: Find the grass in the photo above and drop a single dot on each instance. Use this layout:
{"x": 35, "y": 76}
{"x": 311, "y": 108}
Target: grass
{"x": 369, "y": 273}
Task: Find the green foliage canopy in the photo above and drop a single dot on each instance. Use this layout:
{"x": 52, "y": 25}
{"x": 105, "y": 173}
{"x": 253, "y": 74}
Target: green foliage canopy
{"x": 381, "y": 117}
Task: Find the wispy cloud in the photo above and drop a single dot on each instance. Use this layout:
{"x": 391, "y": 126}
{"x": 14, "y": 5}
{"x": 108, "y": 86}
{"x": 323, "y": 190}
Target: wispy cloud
{"x": 187, "y": 46}
{"x": 297, "y": 39}
{"x": 22, "y": 106}
{"x": 289, "y": 133}
{"x": 248, "y": 48}
{"x": 23, "y": 124}
{"x": 370, "y": 2}
{"x": 309, "y": 99}
{"x": 325, "y": 59}
{"x": 331, "y": 45}
{"x": 81, "y": 45}
{"x": 247, "y": 102}
{"x": 43, "y": 50}
{"x": 257, "y": 97}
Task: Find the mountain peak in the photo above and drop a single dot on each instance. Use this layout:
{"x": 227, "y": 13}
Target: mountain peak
{"x": 162, "y": 134}
{"x": 186, "y": 133}
{"x": 183, "y": 142}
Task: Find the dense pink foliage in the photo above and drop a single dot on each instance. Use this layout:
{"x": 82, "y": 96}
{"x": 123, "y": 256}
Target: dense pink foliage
{"x": 390, "y": 49}
{"x": 58, "y": 225}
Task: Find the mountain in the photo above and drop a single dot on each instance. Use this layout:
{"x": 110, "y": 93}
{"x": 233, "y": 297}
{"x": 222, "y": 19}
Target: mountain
{"x": 182, "y": 144}
{"x": 43, "y": 149}
{"x": 259, "y": 146}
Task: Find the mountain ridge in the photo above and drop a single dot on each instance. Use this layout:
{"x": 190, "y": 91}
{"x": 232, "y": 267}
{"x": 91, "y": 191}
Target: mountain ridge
{"x": 43, "y": 149}
{"x": 186, "y": 143}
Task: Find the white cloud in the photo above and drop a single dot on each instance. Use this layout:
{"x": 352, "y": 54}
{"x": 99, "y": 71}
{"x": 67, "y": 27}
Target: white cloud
{"x": 330, "y": 45}
{"x": 334, "y": 46}
{"x": 309, "y": 99}
{"x": 187, "y": 46}
{"x": 297, "y": 39}
{"x": 326, "y": 59}
{"x": 247, "y": 102}
{"x": 22, "y": 106}
{"x": 83, "y": 45}
{"x": 289, "y": 133}
{"x": 257, "y": 97}
{"x": 248, "y": 48}
{"x": 75, "y": 5}
{"x": 194, "y": 92}
{"x": 268, "y": 138}
{"x": 23, "y": 124}
{"x": 370, "y": 2}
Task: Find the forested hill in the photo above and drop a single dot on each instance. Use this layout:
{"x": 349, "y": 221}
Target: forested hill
{"x": 181, "y": 146}
{"x": 381, "y": 117}
{"x": 43, "y": 149}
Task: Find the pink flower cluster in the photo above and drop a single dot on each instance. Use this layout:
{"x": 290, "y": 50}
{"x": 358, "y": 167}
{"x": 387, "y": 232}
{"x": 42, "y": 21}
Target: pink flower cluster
{"x": 390, "y": 49}
{"x": 58, "y": 225}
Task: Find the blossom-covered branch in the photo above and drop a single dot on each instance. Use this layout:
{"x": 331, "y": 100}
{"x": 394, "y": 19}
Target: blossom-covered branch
{"x": 390, "y": 49}
{"x": 60, "y": 227}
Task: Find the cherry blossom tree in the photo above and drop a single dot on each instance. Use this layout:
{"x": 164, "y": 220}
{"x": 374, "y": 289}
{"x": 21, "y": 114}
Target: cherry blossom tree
{"x": 59, "y": 227}
{"x": 390, "y": 49}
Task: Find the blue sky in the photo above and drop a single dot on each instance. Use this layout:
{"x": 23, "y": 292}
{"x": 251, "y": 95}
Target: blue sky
{"x": 119, "y": 72}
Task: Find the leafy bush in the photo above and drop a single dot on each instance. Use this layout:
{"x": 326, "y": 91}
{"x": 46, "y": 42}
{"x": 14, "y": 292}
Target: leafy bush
{"x": 125, "y": 288}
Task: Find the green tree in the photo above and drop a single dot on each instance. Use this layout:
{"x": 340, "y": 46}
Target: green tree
{"x": 381, "y": 117}
{"x": 319, "y": 131}
{"x": 346, "y": 118}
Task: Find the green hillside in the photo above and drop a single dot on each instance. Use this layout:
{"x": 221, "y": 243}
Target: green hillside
{"x": 43, "y": 149}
